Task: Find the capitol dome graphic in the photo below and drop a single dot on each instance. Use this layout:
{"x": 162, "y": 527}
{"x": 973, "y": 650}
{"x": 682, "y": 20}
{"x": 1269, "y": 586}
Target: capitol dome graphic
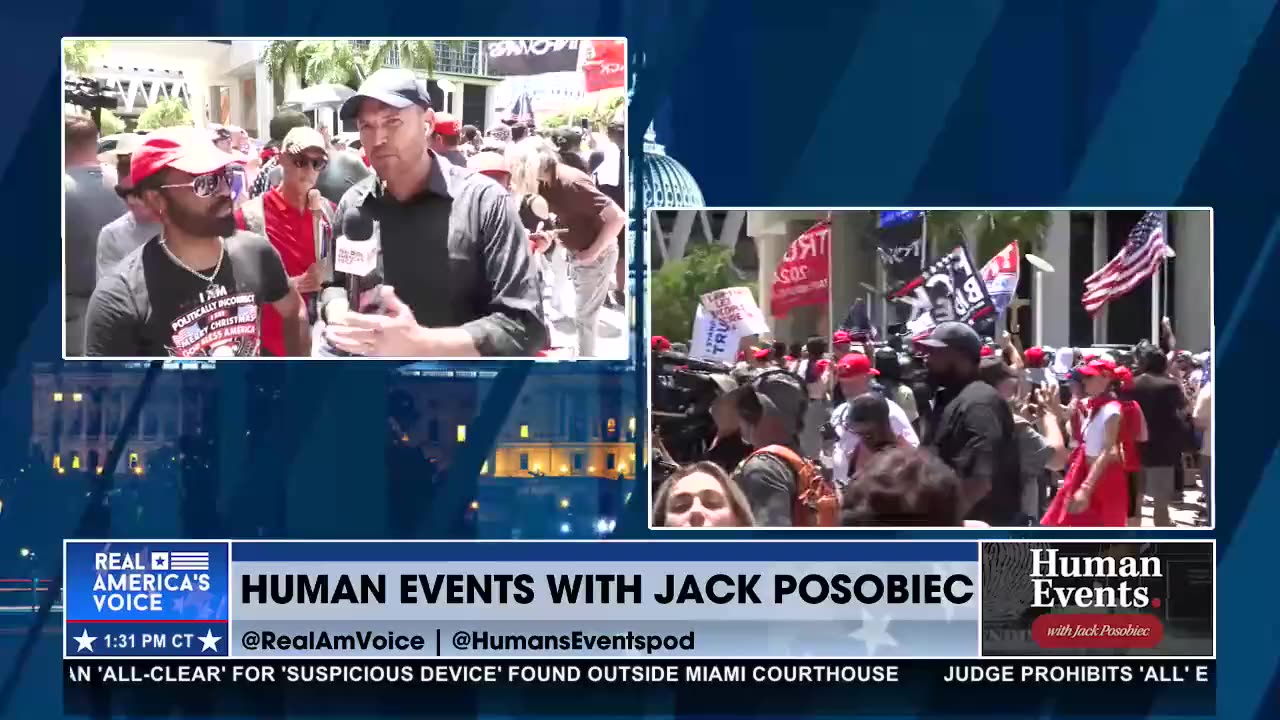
{"x": 667, "y": 184}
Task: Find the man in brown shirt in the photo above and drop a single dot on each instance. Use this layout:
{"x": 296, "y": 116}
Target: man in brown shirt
{"x": 591, "y": 223}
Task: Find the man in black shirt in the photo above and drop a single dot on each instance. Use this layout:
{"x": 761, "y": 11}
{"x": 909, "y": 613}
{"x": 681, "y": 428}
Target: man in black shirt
{"x": 197, "y": 289}
{"x": 1164, "y": 407}
{"x": 971, "y": 427}
{"x": 451, "y": 243}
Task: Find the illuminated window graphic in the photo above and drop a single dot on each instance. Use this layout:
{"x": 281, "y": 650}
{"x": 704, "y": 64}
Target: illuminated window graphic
{"x": 462, "y": 433}
{"x": 57, "y": 397}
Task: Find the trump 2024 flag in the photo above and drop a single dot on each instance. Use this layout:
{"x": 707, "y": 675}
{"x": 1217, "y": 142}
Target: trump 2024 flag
{"x": 1000, "y": 275}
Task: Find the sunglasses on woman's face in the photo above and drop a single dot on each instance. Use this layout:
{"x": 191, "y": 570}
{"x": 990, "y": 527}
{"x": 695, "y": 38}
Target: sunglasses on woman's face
{"x": 208, "y": 185}
{"x": 710, "y": 499}
{"x": 316, "y": 164}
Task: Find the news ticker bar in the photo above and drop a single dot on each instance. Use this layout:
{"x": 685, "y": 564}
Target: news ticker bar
{"x": 694, "y": 599}
{"x": 747, "y": 687}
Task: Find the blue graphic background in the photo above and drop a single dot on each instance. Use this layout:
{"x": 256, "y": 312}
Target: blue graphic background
{"x": 180, "y": 606}
{"x": 878, "y": 104}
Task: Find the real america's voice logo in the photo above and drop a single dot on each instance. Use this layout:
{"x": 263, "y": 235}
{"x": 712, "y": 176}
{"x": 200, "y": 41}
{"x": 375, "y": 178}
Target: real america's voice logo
{"x": 1057, "y": 580}
{"x": 137, "y": 581}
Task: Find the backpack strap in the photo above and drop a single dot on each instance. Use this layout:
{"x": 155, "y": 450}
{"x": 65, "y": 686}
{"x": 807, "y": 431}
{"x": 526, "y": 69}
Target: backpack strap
{"x": 784, "y": 453}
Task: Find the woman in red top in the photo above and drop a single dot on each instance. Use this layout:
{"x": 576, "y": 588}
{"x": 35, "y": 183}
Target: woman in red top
{"x": 1096, "y": 490}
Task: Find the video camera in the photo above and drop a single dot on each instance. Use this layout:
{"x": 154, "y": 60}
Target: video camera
{"x": 684, "y": 389}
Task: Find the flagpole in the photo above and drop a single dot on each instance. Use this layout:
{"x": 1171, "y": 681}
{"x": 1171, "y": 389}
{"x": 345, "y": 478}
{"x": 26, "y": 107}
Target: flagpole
{"x": 1037, "y": 304}
{"x": 1157, "y": 278}
{"x": 924, "y": 239}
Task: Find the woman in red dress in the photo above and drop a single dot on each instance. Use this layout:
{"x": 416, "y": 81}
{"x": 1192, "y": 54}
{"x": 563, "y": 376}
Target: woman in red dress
{"x": 1096, "y": 490}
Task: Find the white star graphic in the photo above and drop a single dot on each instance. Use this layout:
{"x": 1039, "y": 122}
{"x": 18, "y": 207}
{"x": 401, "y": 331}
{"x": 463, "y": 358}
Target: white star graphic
{"x": 209, "y": 641}
{"x": 84, "y": 641}
{"x": 874, "y": 632}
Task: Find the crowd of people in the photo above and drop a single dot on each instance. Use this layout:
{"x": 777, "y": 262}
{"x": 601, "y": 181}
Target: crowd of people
{"x": 196, "y": 242}
{"x": 951, "y": 430}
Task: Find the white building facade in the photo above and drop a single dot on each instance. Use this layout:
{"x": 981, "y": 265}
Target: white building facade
{"x": 225, "y": 81}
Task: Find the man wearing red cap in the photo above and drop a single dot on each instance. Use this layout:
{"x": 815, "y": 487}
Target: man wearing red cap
{"x": 854, "y": 374}
{"x": 445, "y": 138}
{"x": 197, "y": 289}
{"x": 841, "y": 344}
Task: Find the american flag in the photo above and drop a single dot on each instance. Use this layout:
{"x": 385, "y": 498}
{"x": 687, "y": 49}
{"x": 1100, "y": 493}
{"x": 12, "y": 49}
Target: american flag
{"x": 1138, "y": 260}
{"x": 521, "y": 109}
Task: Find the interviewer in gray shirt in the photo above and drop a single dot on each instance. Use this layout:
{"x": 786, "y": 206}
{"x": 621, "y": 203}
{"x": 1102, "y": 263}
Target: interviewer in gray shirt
{"x": 131, "y": 230}
{"x": 457, "y": 271}
{"x": 90, "y": 205}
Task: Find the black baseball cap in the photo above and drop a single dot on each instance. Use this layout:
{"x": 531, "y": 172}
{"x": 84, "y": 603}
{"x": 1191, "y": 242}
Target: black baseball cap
{"x": 774, "y": 392}
{"x": 956, "y": 336}
{"x": 395, "y": 87}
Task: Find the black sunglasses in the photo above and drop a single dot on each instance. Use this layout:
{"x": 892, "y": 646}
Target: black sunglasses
{"x": 316, "y": 163}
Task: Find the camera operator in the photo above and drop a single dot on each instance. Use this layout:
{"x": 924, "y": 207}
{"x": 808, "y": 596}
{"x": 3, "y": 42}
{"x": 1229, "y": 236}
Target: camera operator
{"x": 728, "y": 449}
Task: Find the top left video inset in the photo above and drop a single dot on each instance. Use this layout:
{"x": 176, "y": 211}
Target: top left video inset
{"x": 319, "y": 199}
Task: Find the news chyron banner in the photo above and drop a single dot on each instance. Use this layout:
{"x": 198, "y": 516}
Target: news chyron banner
{"x": 560, "y": 628}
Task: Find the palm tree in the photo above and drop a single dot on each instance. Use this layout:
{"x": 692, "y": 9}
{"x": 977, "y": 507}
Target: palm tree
{"x": 78, "y": 55}
{"x": 333, "y": 62}
{"x": 299, "y": 63}
{"x": 989, "y": 230}
{"x": 410, "y": 54}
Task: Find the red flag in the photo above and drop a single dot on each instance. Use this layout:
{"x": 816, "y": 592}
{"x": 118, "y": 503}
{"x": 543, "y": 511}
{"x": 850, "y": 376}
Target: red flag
{"x": 803, "y": 276}
{"x": 605, "y": 65}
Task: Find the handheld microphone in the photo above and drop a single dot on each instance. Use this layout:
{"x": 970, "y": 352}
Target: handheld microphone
{"x": 355, "y": 256}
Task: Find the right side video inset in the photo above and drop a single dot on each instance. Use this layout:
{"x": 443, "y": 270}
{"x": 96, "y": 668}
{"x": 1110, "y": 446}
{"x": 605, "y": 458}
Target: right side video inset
{"x": 979, "y": 368}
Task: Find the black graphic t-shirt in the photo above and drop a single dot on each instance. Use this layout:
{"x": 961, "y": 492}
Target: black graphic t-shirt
{"x": 153, "y": 307}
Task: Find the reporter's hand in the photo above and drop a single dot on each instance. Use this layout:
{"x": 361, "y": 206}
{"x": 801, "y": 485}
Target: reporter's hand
{"x": 393, "y": 333}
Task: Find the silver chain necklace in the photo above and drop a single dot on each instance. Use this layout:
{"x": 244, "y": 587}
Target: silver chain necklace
{"x": 208, "y": 279}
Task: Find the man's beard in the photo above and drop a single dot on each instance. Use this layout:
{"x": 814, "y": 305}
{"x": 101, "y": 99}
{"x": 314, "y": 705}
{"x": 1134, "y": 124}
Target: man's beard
{"x": 206, "y": 224}
{"x": 941, "y": 377}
